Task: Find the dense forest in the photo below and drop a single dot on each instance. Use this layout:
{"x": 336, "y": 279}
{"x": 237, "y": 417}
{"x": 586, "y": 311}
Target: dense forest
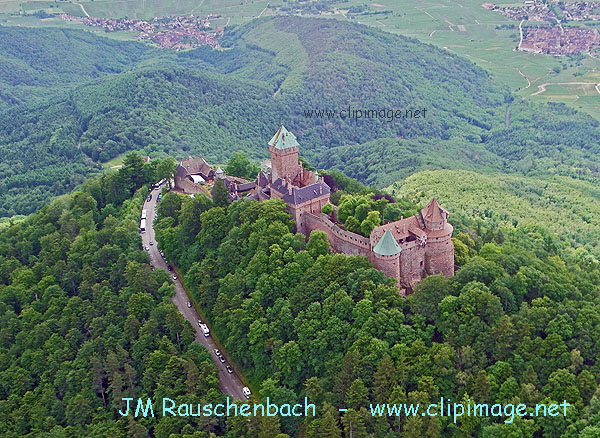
{"x": 56, "y": 127}
{"x": 84, "y": 321}
{"x": 41, "y": 63}
{"x": 566, "y": 206}
{"x": 519, "y": 323}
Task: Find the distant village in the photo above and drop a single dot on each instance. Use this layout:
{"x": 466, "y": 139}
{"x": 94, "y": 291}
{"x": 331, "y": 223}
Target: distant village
{"x": 174, "y": 33}
{"x": 554, "y": 38}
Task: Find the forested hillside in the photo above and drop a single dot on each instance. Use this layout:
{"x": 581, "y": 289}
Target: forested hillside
{"x": 567, "y": 206}
{"x": 84, "y": 321}
{"x": 39, "y": 63}
{"x": 116, "y": 97}
{"x": 520, "y": 323}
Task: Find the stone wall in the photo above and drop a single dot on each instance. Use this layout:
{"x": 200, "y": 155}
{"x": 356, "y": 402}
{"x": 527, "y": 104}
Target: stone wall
{"x": 412, "y": 261}
{"x": 439, "y": 258}
{"x": 408, "y": 268}
{"x": 340, "y": 240}
{"x": 389, "y": 265}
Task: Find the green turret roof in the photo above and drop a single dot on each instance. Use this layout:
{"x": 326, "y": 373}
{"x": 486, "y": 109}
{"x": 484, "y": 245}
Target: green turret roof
{"x": 387, "y": 245}
{"x": 283, "y": 139}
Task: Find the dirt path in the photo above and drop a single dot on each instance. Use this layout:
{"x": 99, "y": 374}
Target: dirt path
{"x": 520, "y": 34}
{"x": 528, "y": 81}
{"x": 425, "y": 12}
{"x": 542, "y": 88}
{"x": 199, "y": 5}
{"x": 263, "y": 11}
{"x": 82, "y": 8}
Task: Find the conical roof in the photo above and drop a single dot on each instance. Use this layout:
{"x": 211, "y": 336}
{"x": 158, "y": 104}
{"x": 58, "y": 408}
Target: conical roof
{"x": 387, "y": 245}
{"x": 433, "y": 211}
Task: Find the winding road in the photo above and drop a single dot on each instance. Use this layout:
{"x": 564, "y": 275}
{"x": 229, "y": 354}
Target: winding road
{"x": 229, "y": 384}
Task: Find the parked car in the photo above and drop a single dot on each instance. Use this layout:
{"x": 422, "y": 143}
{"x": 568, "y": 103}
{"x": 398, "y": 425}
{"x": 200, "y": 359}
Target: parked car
{"x": 222, "y": 359}
{"x": 169, "y": 267}
{"x": 189, "y": 304}
{"x": 199, "y": 322}
{"x": 205, "y": 330}
{"x": 146, "y": 247}
{"x": 246, "y": 391}
{"x": 229, "y": 369}
{"x": 151, "y": 242}
{"x": 174, "y": 277}
{"x": 217, "y": 352}
{"x": 149, "y": 198}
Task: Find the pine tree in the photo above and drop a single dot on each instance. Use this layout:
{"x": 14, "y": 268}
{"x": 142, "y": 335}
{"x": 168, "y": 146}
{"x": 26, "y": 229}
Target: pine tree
{"x": 220, "y": 194}
{"x": 329, "y": 425}
{"x": 384, "y": 380}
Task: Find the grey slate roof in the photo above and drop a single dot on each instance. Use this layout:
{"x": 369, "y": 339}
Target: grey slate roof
{"x": 299, "y": 194}
{"x": 246, "y": 186}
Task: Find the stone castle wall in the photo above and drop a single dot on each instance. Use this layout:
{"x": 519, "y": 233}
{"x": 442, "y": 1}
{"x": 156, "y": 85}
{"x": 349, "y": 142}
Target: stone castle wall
{"x": 389, "y": 265}
{"x": 409, "y": 267}
{"x": 439, "y": 258}
{"x": 340, "y": 240}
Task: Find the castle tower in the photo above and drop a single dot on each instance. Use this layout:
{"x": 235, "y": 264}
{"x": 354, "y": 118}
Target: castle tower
{"x": 439, "y": 250}
{"x": 434, "y": 216}
{"x": 386, "y": 255}
{"x": 284, "y": 155}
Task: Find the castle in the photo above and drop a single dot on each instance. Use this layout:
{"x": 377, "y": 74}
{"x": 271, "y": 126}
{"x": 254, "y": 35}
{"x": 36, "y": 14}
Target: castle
{"x": 407, "y": 250}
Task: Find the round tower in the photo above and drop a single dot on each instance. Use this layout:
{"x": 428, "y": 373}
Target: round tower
{"x": 386, "y": 255}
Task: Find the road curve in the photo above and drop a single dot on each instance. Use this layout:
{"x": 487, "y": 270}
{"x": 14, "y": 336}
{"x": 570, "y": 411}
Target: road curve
{"x": 229, "y": 384}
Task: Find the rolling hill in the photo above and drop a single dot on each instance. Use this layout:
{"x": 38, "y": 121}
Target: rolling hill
{"x": 39, "y": 63}
{"x": 276, "y": 70}
{"x": 566, "y": 206}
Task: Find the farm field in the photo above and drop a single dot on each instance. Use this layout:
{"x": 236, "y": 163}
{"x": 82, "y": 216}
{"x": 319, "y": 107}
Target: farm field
{"x": 238, "y": 11}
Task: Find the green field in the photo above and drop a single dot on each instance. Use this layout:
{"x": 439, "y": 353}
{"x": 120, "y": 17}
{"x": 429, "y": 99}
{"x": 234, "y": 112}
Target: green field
{"x": 117, "y": 161}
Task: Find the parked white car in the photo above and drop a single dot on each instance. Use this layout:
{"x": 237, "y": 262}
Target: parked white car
{"x": 205, "y": 330}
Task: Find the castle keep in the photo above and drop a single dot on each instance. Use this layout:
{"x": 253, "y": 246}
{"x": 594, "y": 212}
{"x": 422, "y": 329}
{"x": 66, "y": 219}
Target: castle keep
{"x": 407, "y": 250}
